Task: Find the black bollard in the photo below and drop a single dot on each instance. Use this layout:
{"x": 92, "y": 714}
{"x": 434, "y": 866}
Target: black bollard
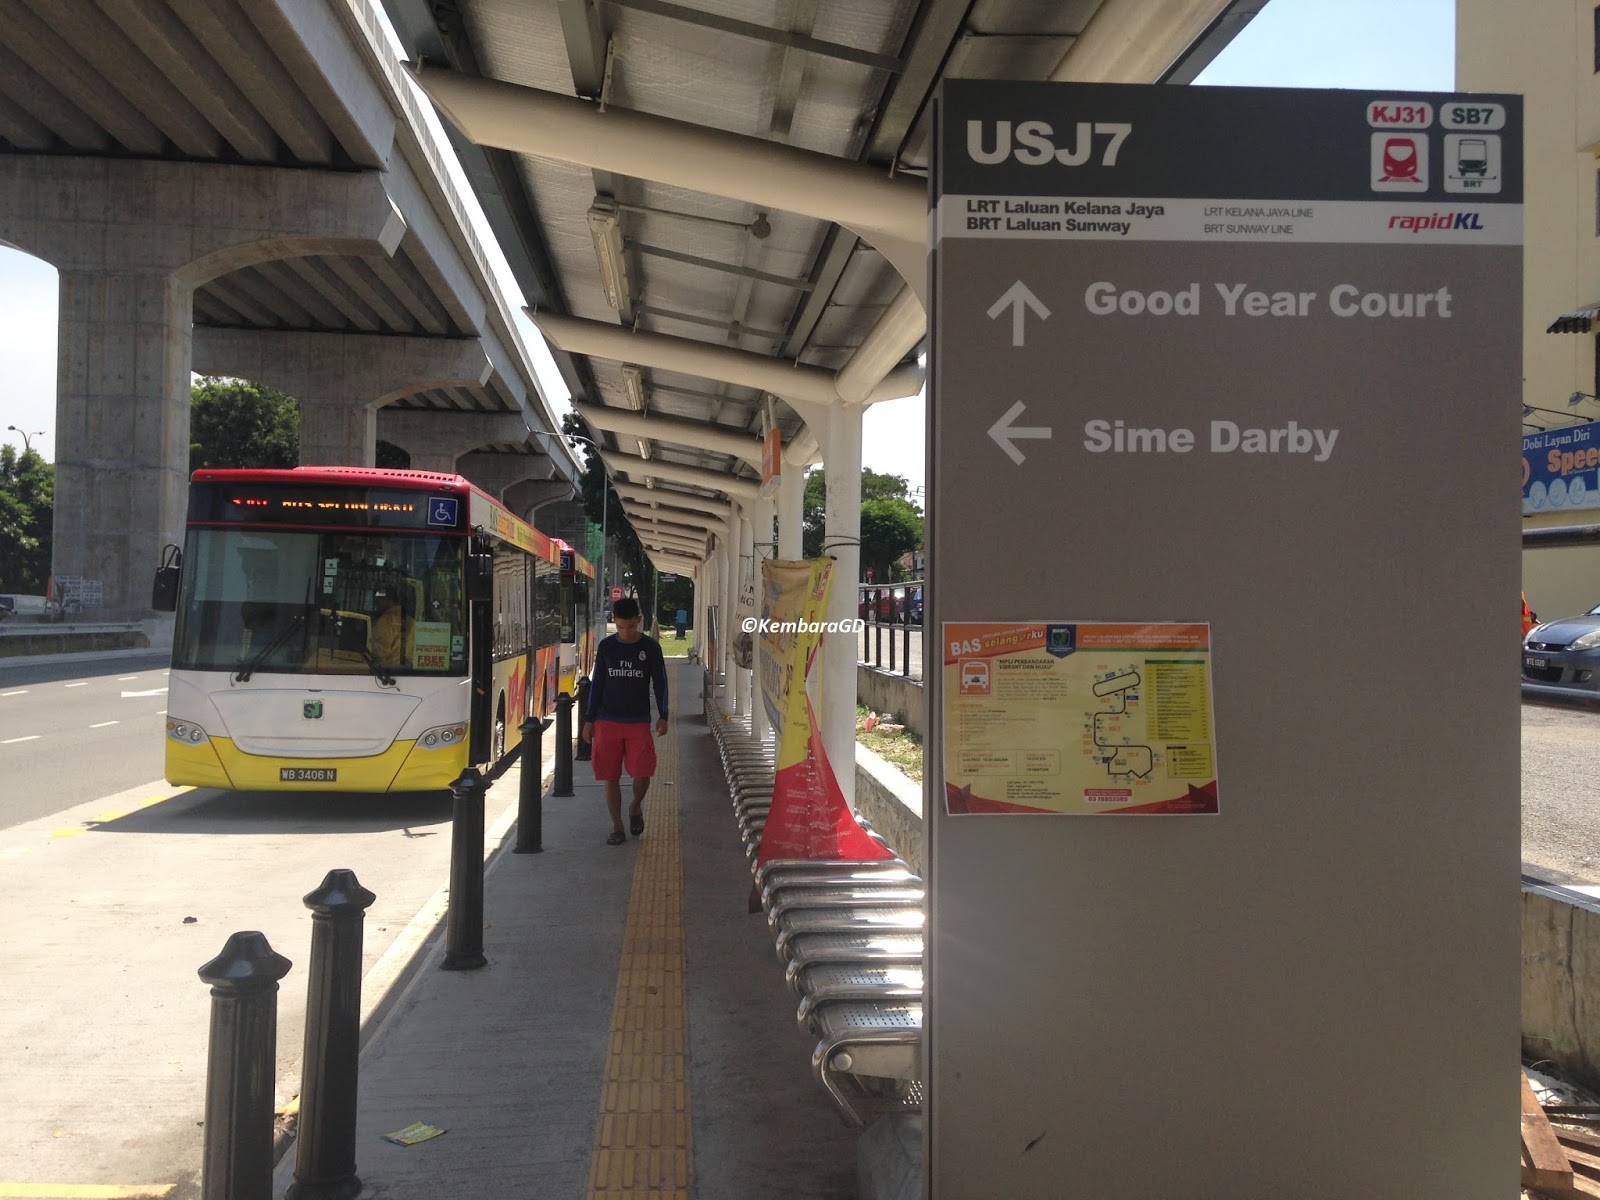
{"x": 464, "y": 919}
{"x": 583, "y": 707}
{"x": 530, "y": 794}
{"x": 236, "y": 1161}
{"x": 325, "y": 1146}
{"x": 561, "y": 782}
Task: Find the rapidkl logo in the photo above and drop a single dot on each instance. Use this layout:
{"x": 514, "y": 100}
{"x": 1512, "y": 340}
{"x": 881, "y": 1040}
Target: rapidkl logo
{"x": 1415, "y": 223}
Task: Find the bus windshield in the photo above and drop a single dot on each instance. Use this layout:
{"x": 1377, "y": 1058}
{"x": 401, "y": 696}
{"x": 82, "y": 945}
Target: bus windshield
{"x": 308, "y": 602}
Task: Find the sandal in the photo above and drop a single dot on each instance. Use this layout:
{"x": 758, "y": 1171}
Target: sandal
{"x": 636, "y": 823}
{"x": 616, "y": 838}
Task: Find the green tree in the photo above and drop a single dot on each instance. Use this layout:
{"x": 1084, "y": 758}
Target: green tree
{"x": 890, "y": 527}
{"x": 27, "y": 505}
{"x": 236, "y": 423}
{"x": 891, "y": 523}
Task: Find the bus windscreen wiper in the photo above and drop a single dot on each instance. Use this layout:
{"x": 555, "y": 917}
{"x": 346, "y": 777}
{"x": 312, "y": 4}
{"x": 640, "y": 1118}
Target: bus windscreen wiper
{"x": 246, "y": 669}
{"x": 383, "y": 677}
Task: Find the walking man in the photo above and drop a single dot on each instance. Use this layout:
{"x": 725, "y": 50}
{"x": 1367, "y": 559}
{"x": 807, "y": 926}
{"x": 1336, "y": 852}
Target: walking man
{"x": 627, "y": 665}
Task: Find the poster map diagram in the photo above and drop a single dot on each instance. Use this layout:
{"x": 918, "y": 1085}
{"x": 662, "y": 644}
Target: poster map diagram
{"x": 1078, "y": 718}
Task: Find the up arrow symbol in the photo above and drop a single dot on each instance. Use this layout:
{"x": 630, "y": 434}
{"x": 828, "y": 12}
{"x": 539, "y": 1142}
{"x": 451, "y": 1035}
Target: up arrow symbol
{"x": 1004, "y": 432}
{"x": 1017, "y": 298}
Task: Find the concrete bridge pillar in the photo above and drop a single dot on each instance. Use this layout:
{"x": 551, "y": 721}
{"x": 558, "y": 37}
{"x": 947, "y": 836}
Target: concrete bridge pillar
{"x": 338, "y": 433}
{"x": 528, "y": 496}
{"x": 437, "y": 440}
{"x": 559, "y": 518}
{"x": 342, "y": 379}
{"x": 122, "y": 428}
{"x": 132, "y": 240}
{"x": 494, "y": 473}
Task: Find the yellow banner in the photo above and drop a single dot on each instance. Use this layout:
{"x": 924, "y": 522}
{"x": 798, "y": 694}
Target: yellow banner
{"x": 794, "y": 600}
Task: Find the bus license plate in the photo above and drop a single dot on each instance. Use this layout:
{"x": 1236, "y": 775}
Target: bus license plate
{"x": 1538, "y": 664}
{"x": 308, "y": 774}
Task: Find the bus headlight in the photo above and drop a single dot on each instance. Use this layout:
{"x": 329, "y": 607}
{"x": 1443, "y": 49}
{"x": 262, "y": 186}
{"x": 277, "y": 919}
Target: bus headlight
{"x": 442, "y": 736}
{"x": 186, "y": 732}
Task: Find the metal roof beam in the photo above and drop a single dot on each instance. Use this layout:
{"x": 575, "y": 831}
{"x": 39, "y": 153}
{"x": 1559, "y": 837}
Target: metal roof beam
{"x": 763, "y": 33}
{"x": 696, "y": 434}
{"x": 1135, "y": 41}
{"x": 891, "y": 213}
{"x": 646, "y": 468}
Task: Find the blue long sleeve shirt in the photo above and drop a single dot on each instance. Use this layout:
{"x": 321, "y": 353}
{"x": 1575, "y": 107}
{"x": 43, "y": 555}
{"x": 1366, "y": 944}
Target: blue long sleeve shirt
{"x": 624, "y": 674}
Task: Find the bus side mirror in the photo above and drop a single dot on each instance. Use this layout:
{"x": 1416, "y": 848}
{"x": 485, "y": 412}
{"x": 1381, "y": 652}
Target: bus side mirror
{"x": 480, "y": 577}
{"x": 164, "y": 592}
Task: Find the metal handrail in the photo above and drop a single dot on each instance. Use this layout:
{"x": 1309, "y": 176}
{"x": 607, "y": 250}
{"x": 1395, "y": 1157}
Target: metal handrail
{"x": 901, "y": 620}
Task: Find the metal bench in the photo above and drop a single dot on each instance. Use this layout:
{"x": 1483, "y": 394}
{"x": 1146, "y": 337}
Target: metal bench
{"x": 864, "y": 1041}
{"x": 816, "y": 949}
{"x": 821, "y": 984}
{"x": 850, "y": 896}
{"x": 845, "y": 920}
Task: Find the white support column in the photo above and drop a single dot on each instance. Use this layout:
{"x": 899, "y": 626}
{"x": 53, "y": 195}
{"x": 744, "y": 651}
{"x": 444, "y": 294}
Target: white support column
{"x": 730, "y": 605}
{"x": 842, "y": 540}
{"x": 760, "y": 724}
{"x": 741, "y": 695}
{"x": 791, "y": 510}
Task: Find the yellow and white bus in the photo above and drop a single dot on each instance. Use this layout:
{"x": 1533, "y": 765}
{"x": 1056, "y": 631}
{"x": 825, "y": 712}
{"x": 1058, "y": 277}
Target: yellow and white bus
{"x": 354, "y": 629}
{"x": 580, "y": 614}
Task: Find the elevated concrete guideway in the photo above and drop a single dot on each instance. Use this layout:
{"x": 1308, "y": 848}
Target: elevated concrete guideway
{"x": 248, "y": 189}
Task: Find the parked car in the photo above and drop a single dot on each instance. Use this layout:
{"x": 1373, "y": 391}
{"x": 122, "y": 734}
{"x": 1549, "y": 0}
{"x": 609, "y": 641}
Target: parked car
{"x": 1564, "y": 652}
{"x": 914, "y": 607}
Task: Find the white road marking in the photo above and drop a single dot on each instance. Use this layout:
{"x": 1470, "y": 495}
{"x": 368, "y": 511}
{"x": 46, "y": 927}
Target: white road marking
{"x": 80, "y": 683}
{"x": 32, "y": 737}
{"x": 152, "y": 692}
{"x": 125, "y": 678}
{"x": 103, "y": 724}
{"x": 22, "y": 692}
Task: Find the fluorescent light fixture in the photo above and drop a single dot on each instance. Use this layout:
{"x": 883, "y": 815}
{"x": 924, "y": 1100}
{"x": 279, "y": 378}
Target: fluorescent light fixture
{"x": 605, "y": 226}
{"x": 633, "y": 380}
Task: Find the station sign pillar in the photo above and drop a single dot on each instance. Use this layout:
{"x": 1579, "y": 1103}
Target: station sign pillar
{"x": 1223, "y": 753}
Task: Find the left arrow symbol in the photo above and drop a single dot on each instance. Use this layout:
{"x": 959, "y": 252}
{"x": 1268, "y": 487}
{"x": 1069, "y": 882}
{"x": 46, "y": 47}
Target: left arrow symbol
{"x": 1018, "y": 298}
{"x": 1004, "y": 432}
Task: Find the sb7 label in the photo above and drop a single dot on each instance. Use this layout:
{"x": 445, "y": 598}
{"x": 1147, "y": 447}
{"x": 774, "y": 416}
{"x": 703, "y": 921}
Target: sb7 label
{"x": 1473, "y": 116}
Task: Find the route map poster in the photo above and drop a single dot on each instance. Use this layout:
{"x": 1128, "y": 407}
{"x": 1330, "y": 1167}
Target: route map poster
{"x": 1078, "y": 718}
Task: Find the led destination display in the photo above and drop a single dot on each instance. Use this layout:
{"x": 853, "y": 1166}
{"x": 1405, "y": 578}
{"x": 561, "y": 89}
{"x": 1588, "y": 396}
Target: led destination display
{"x": 286, "y": 504}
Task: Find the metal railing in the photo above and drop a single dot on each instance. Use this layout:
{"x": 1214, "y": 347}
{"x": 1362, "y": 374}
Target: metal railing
{"x": 892, "y": 617}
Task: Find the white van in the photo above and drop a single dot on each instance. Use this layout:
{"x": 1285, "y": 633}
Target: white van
{"x": 15, "y": 604}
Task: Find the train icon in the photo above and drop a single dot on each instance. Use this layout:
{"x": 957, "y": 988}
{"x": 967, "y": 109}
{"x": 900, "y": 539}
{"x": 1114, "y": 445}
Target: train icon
{"x": 1399, "y": 162}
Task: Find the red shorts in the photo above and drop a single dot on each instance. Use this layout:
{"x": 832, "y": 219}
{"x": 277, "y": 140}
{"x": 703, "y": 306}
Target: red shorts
{"x": 622, "y": 743}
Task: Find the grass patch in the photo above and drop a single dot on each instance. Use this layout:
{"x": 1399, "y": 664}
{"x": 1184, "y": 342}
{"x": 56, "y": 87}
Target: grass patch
{"x": 897, "y": 745}
{"x": 671, "y": 647}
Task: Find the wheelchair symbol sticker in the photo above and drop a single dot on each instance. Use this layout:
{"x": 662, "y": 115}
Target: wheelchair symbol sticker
{"x": 442, "y": 511}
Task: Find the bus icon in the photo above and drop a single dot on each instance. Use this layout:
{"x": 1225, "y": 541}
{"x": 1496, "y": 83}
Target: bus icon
{"x": 974, "y": 677}
{"x": 1472, "y": 163}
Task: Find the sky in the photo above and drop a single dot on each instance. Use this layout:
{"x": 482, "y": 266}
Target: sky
{"x": 1292, "y": 43}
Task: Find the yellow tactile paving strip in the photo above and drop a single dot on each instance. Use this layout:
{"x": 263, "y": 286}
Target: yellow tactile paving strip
{"x": 641, "y": 1139}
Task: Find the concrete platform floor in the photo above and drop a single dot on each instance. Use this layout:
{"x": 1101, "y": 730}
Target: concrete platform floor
{"x": 632, "y": 1035}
